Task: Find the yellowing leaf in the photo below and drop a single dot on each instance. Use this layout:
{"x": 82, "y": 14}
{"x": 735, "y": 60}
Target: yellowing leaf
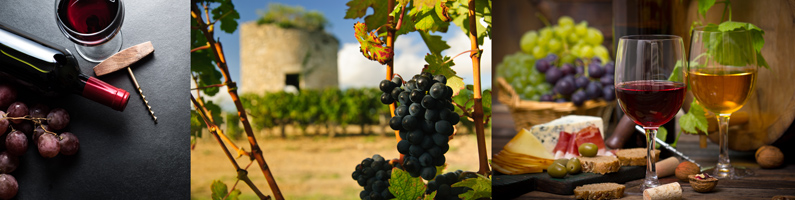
{"x": 372, "y": 47}
{"x": 481, "y": 187}
{"x": 405, "y": 187}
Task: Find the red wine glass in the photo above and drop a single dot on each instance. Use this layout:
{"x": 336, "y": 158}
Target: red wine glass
{"x": 644, "y": 65}
{"x": 93, "y": 25}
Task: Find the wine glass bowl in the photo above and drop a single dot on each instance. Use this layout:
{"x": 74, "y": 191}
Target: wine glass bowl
{"x": 93, "y": 25}
{"x": 722, "y": 75}
{"x": 646, "y": 68}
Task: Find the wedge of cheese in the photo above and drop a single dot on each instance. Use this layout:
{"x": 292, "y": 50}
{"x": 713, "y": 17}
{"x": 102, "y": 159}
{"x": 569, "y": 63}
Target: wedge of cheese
{"x": 523, "y": 154}
{"x": 527, "y": 144}
{"x": 548, "y": 133}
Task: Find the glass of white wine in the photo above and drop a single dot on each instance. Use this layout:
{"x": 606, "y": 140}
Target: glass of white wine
{"x": 722, "y": 74}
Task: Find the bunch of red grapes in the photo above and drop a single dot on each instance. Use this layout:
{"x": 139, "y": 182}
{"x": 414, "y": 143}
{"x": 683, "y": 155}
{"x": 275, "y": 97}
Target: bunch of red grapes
{"x": 22, "y": 124}
{"x": 579, "y": 82}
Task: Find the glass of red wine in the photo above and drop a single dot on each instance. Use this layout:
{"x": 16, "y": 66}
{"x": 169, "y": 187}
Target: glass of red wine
{"x": 93, "y": 25}
{"x": 644, "y": 65}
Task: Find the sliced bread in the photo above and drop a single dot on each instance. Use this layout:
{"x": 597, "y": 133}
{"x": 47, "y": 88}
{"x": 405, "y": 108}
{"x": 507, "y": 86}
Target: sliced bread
{"x": 599, "y": 191}
{"x": 599, "y": 164}
{"x": 635, "y": 156}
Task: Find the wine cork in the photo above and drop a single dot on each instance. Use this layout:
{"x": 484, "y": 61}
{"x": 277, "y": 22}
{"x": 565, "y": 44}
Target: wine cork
{"x": 667, "y": 167}
{"x": 671, "y": 191}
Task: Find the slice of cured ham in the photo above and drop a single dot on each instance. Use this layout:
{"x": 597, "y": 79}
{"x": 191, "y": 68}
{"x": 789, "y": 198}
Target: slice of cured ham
{"x": 564, "y": 140}
{"x": 591, "y": 134}
{"x": 571, "y": 150}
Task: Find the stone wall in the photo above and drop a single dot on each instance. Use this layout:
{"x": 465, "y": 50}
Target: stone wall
{"x": 268, "y": 53}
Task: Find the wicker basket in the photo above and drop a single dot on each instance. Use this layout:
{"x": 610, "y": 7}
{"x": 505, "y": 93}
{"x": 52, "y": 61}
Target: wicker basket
{"x": 527, "y": 113}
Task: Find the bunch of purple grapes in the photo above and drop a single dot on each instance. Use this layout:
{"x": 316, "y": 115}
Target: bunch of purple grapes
{"x": 373, "y": 174}
{"x": 577, "y": 82}
{"x": 424, "y": 118}
{"x": 20, "y": 122}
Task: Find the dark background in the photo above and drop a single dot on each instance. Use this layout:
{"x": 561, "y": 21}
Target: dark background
{"x": 123, "y": 155}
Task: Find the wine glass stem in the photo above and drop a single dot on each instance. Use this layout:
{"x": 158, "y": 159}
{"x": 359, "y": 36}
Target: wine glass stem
{"x": 724, "y": 167}
{"x": 651, "y": 170}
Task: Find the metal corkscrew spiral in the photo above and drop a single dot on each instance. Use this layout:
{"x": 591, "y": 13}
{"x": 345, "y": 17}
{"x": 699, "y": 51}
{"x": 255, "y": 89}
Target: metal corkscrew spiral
{"x": 141, "y": 92}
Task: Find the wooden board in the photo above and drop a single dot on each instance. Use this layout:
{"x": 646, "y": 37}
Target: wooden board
{"x": 510, "y": 186}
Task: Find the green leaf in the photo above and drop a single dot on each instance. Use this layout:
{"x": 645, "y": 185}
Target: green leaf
{"x": 227, "y": 16}
{"x": 196, "y": 124}
{"x": 434, "y": 42}
{"x": 704, "y": 5}
{"x": 372, "y": 47}
{"x": 679, "y": 133}
{"x": 405, "y": 187}
{"x": 431, "y": 196}
{"x": 207, "y": 74}
{"x": 661, "y": 134}
{"x": 408, "y": 23}
{"x": 437, "y": 65}
{"x": 440, "y": 169}
{"x": 481, "y": 187}
{"x": 677, "y": 77}
{"x": 486, "y": 103}
{"x": 459, "y": 11}
{"x": 457, "y": 83}
{"x": 695, "y": 120}
{"x": 426, "y": 19}
{"x": 215, "y": 112}
{"x": 425, "y": 3}
{"x": 358, "y": 9}
{"x": 219, "y": 191}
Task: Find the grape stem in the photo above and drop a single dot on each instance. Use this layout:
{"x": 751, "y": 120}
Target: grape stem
{"x": 477, "y": 115}
{"x": 207, "y": 30}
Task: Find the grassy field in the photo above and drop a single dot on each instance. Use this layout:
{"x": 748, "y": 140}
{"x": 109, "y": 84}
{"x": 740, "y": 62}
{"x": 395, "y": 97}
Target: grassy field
{"x": 311, "y": 167}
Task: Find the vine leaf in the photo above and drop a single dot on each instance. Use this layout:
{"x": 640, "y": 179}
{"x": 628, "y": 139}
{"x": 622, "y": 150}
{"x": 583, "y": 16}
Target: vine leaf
{"x": 405, "y": 187}
{"x": 430, "y": 196}
{"x": 426, "y": 19}
{"x": 207, "y": 74}
{"x": 219, "y": 191}
{"x": 215, "y": 111}
{"x": 460, "y": 13}
{"x": 486, "y": 100}
{"x": 481, "y": 187}
{"x": 695, "y": 120}
{"x": 437, "y": 65}
{"x": 756, "y": 37}
{"x": 434, "y": 42}
{"x": 227, "y": 15}
{"x": 426, "y": 3}
{"x": 704, "y": 5}
{"x": 457, "y": 83}
{"x": 358, "y": 9}
{"x": 372, "y": 47}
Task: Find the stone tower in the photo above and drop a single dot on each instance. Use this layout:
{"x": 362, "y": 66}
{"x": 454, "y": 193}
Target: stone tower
{"x": 272, "y": 57}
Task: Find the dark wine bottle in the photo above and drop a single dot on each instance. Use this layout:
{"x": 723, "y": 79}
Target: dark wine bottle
{"x": 51, "y": 70}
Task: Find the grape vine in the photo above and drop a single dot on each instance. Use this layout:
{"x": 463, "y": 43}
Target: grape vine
{"x": 419, "y": 119}
{"x": 205, "y": 53}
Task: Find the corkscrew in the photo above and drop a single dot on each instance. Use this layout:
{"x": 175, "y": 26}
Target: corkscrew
{"x": 123, "y": 59}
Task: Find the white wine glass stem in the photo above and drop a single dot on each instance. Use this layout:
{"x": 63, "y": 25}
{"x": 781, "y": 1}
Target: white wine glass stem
{"x": 724, "y": 168}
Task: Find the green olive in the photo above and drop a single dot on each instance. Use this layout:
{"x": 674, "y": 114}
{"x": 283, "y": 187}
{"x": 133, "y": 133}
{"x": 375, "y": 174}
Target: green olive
{"x": 588, "y": 149}
{"x": 573, "y": 166}
{"x": 562, "y": 161}
{"x": 556, "y": 170}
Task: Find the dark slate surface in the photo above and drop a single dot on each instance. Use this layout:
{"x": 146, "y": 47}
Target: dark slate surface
{"x": 515, "y": 185}
{"x": 123, "y": 155}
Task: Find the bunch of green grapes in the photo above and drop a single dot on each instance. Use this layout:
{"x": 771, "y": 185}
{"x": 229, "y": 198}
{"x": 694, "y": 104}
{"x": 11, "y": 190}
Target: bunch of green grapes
{"x": 567, "y": 39}
{"x": 519, "y": 71}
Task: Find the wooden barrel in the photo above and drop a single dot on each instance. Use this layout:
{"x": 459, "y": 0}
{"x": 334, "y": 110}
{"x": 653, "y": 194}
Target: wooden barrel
{"x": 771, "y": 107}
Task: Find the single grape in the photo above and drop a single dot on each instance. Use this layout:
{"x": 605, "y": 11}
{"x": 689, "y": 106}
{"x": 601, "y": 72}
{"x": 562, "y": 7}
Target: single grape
{"x": 386, "y": 86}
{"x": 8, "y": 162}
{"x": 435, "y": 151}
{"x": 607, "y": 79}
{"x": 437, "y": 90}
{"x": 427, "y": 75}
{"x": 565, "y": 87}
{"x": 17, "y": 109}
{"x": 39, "y": 110}
{"x": 403, "y": 98}
{"x": 403, "y": 147}
{"x": 17, "y": 143}
{"x": 395, "y": 123}
{"x": 596, "y": 60}
{"x": 48, "y": 145}
{"x": 411, "y": 85}
{"x": 69, "y": 143}
{"x": 429, "y": 102}
{"x": 448, "y": 93}
{"x": 439, "y": 139}
{"x": 565, "y": 21}
{"x": 554, "y": 44}
{"x": 386, "y": 194}
{"x": 409, "y": 123}
{"x": 568, "y": 69}
{"x": 416, "y": 110}
{"x": 416, "y": 96}
{"x": 426, "y": 160}
{"x": 427, "y": 142}
{"x": 553, "y": 75}
{"x": 416, "y": 151}
{"x": 424, "y": 83}
{"x": 386, "y": 98}
{"x": 8, "y": 95}
{"x": 444, "y": 127}
{"x": 594, "y": 37}
{"x": 594, "y": 90}
{"x": 552, "y": 57}
{"x": 580, "y": 70}
{"x": 610, "y": 68}
{"x": 609, "y": 93}
{"x": 444, "y": 190}
{"x": 542, "y": 65}
{"x": 538, "y": 51}
{"x": 8, "y": 186}
{"x": 454, "y": 118}
{"x": 440, "y": 78}
{"x": 397, "y": 81}
{"x": 416, "y": 137}
{"x": 595, "y": 71}
{"x": 58, "y": 119}
{"x": 528, "y": 41}
{"x": 578, "y": 98}
{"x": 396, "y": 93}
{"x": 428, "y": 172}
{"x": 432, "y": 114}
{"x": 581, "y": 81}
{"x": 439, "y": 161}
{"x": 581, "y": 29}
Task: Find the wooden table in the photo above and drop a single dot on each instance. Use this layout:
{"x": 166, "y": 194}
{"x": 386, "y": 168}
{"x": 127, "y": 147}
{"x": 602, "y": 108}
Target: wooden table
{"x": 765, "y": 184}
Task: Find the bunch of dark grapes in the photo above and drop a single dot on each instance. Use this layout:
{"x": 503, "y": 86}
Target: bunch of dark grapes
{"x": 443, "y": 182}
{"x": 20, "y": 124}
{"x": 424, "y": 117}
{"x": 373, "y": 174}
{"x": 579, "y": 82}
